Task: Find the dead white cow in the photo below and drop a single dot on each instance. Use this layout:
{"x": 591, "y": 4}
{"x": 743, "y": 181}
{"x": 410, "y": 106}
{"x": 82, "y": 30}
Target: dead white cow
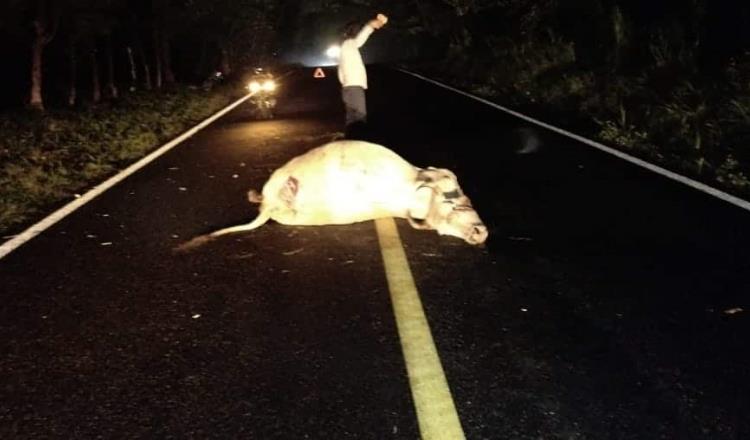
{"x": 349, "y": 181}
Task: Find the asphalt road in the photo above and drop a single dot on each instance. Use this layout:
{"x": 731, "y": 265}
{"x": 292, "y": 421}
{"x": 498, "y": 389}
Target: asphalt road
{"x": 600, "y": 307}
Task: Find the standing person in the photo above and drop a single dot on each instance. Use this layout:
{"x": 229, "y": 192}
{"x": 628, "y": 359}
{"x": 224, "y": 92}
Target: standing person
{"x": 352, "y": 73}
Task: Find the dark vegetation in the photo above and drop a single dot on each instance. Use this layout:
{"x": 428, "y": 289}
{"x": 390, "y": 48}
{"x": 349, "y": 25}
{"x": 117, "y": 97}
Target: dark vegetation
{"x": 668, "y": 81}
{"x": 49, "y": 157}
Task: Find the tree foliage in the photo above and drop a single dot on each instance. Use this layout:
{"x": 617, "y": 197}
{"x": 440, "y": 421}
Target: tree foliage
{"x": 242, "y": 30}
{"x": 97, "y": 39}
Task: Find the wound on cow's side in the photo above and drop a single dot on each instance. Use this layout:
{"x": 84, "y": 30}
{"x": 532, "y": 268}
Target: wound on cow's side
{"x": 289, "y": 191}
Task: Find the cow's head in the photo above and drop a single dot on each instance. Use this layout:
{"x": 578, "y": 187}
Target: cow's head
{"x": 440, "y": 204}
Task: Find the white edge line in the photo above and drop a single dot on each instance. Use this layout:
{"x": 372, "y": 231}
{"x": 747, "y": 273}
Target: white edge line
{"x": 39, "y": 227}
{"x": 744, "y": 204}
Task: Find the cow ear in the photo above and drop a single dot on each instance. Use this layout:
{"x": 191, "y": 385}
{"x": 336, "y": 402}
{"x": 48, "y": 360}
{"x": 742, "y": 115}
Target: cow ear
{"x": 420, "y": 205}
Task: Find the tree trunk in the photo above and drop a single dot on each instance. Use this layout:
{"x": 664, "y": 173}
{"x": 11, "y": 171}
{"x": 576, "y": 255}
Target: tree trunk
{"x": 164, "y": 73}
{"x": 166, "y": 61}
{"x": 37, "y": 49}
{"x": 45, "y": 27}
{"x": 157, "y": 57}
{"x": 96, "y": 88}
{"x": 144, "y": 61}
{"x": 133, "y": 71}
{"x": 72, "y": 73}
{"x": 147, "y": 75}
{"x": 111, "y": 87}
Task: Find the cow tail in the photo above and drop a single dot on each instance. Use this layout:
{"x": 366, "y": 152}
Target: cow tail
{"x": 200, "y": 240}
{"x": 259, "y": 221}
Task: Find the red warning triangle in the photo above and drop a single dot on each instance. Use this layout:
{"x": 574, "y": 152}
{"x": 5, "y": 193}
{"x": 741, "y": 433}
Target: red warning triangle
{"x": 319, "y": 73}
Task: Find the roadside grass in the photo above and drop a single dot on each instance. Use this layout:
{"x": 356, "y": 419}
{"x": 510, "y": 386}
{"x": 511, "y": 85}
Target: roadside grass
{"x": 46, "y": 158}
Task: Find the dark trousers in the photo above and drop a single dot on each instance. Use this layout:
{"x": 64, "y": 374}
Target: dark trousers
{"x": 355, "y": 105}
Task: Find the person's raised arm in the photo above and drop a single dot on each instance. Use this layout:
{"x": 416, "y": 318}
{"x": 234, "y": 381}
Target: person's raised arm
{"x": 376, "y": 23}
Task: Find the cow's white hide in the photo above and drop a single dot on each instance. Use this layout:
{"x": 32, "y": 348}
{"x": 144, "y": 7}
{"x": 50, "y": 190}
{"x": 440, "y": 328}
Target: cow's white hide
{"x": 341, "y": 182}
{"x": 350, "y": 181}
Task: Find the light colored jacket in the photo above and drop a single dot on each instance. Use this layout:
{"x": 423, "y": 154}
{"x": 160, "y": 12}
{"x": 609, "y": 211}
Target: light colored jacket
{"x": 351, "y": 69}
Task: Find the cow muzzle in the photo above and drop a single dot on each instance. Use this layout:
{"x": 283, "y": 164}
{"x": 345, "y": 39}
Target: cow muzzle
{"x": 464, "y": 222}
{"x": 478, "y": 234}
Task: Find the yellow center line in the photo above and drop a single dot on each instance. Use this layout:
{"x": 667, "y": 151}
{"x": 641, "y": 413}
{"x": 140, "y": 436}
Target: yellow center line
{"x": 436, "y": 412}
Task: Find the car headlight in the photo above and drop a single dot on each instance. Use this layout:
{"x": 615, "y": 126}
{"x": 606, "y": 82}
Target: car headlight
{"x": 269, "y": 85}
{"x": 333, "y": 51}
{"x": 254, "y": 86}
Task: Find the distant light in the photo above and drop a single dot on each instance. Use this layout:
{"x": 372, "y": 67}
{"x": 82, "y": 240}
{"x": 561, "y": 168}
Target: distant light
{"x": 269, "y": 85}
{"x": 333, "y": 51}
{"x": 322, "y": 62}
